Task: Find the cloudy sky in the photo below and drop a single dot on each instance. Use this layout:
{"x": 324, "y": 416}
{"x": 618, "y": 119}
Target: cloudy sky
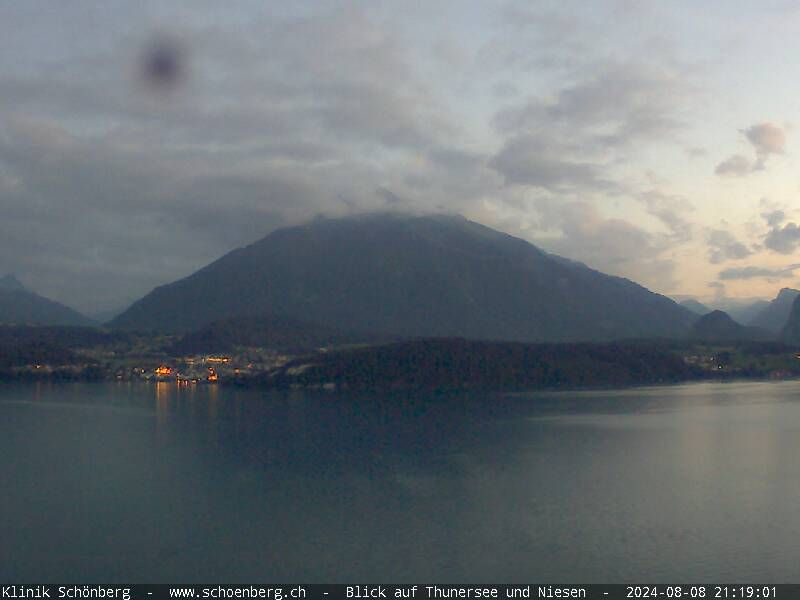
{"x": 141, "y": 140}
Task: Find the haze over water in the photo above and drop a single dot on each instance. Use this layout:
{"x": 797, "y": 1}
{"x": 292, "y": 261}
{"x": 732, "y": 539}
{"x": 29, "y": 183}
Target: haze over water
{"x": 146, "y": 483}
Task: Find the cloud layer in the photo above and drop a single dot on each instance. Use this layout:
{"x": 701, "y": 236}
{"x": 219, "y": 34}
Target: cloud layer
{"x": 766, "y": 139}
{"x": 758, "y": 272}
{"x": 139, "y": 141}
{"x": 724, "y": 246}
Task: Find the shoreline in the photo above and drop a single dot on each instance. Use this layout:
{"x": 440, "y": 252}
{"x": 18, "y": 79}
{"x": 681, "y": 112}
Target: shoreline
{"x": 384, "y": 389}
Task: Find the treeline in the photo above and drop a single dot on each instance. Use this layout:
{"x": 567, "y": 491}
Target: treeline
{"x": 87, "y": 373}
{"x": 65, "y": 337}
{"x": 278, "y": 333}
{"x": 44, "y": 360}
{"x": 460, "y": 363}
{"x": 33, "y": 353}
{"x": 52, "y": 349}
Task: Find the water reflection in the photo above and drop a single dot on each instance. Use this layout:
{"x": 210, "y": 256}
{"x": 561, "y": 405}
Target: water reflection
{"x": 163, "y": 390}
{"x": 196, "y": 483}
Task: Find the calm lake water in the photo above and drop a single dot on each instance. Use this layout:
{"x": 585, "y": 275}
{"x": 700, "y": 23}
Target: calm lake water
{"x": 150, "y": 483}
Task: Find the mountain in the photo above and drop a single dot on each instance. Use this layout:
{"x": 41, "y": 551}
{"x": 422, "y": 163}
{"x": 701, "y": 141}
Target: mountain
{"x": 745, "y": 312}
{"x": 20, "y": 306}
{"x": 696, "y": 307}
{"x": 718, "y": 326}
{"x": 9, "y": 283}
{"x": 411, "y": 276}
{"x": 282, "y": 334}
{"x": 791, "y": 330}
{"x": 104, "y": 315}
{"x": 774, "y": 316}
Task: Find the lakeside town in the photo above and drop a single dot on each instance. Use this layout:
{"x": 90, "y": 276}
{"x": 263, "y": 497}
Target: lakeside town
{"x": 64, "y": 354}
{"x": 101, "y": 364}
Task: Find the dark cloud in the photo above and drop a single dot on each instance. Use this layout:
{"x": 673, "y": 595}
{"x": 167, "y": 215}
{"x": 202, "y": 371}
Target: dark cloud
{"x": 669, "y": 209}
{"x": 574, "y": 140}
{"x": 783, "y": 240}
{"x": 722, "y": 246}
{"x": 767, "y": 139}
{"x": 736, "y": 165}
{"x": 529, "y": 160}
{"x": 620, "y": 105}
{"x": 758, "y": 272}
{"x": 774, "y": 217}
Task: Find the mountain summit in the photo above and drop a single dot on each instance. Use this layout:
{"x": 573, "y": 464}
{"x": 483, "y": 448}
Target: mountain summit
{"x": 411, "y": 276}
{"x": 790, "y": 333}
{"x": 9, "y": 283}
{"x": 696, "y": 307}
{"x": 719, "y": 326}
{"x": 20, "y": 306}
{"x": 775, "y": 315}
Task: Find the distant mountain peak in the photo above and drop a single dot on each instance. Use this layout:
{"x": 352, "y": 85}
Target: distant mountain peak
{"x": 719, "y": 326}
{"x": 791, "y": 331}
{"x": 20, "y": 306}
{"x": 776, "y": 314}
{"x": 11, "y": 283}
{"x": 695, "y": 306}
{"x": 720, "y": 318}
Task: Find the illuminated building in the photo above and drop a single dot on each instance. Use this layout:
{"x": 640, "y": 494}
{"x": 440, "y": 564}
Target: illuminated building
{"x": 163, "y": 372}
{"x": 218, "y": 359}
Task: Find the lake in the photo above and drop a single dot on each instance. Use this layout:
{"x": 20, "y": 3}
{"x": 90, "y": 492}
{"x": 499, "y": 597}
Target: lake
{"x": 154, "y": 483}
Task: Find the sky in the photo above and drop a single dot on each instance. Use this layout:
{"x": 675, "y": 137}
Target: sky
{"x": 141, "y": 140}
